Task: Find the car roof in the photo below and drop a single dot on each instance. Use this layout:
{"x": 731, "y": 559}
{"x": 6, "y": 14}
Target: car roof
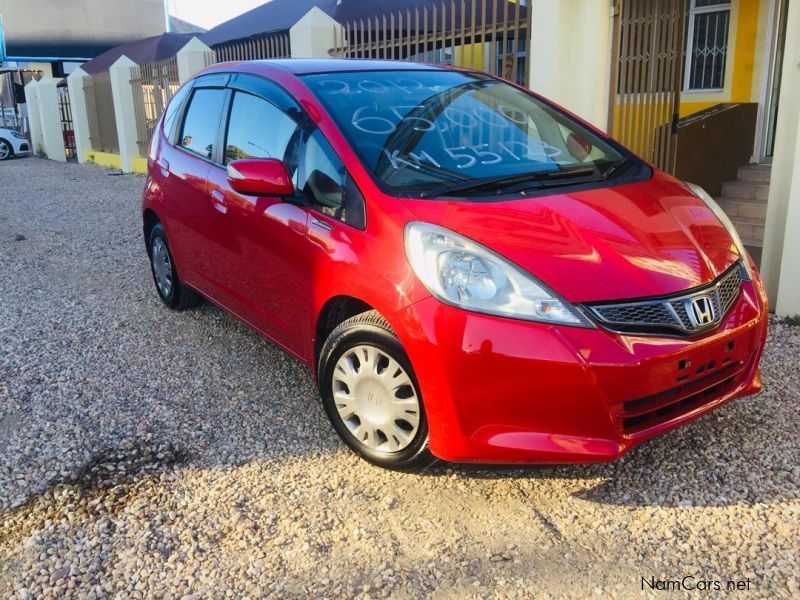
{"x": 305, "y": 66}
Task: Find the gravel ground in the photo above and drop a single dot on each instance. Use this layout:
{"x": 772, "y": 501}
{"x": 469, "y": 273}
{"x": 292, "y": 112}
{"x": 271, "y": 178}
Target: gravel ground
{"x": 145, "y": 453}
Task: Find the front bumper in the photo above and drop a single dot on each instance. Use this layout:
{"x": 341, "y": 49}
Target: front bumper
{"x": 503, "y": 390}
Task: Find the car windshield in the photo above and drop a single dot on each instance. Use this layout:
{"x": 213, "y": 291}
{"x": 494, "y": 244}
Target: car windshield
{"x": 431, "y": 132}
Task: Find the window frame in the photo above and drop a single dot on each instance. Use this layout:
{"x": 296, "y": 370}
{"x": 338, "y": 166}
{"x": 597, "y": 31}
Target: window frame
{"x": 695, "y": 10}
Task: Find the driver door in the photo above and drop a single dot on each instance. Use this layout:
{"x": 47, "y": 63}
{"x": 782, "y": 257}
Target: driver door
{"x": 258, "y": 245}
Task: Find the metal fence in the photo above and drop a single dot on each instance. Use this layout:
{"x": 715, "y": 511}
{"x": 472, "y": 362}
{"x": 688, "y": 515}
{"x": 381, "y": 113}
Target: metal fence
{"x": 153, "y": 86}
{"x": 258, "y": 48}
{"x": 100, "y": 112}
{"x": 646, "y": 77}
{"x": 483, "y": 34}
{"x": 65, "y": 113}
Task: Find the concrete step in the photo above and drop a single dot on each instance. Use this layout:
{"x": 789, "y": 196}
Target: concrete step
{"x": 751, "y": 230}
{"x": 750, "y": 209}
{"x": 745, "y": 190}
{"x": 755, "y": 173}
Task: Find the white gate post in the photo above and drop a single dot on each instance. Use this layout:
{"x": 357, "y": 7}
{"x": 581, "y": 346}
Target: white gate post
{"x": 50, "y": 120}
{"x": 122, "y": 92}
{"x": 570, "y": 55}
{"x": 34, "y": 120}
{"x": 313, "y": 35}
{"x": 80, "y": 116}
{"x": 192, "y": 58}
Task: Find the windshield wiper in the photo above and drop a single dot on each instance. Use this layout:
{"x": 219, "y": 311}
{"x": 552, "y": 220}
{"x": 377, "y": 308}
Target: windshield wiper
{"x": 541, "y": 179}
{"x": 616, "y": 167}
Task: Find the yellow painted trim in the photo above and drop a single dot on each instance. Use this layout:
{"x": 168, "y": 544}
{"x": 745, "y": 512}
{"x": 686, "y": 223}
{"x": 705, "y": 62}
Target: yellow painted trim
{"x": 688, "y": 108}
{"x": 104, "y": 159}
{"x": 140, "y": 165}
{"x": 744, "y": 53}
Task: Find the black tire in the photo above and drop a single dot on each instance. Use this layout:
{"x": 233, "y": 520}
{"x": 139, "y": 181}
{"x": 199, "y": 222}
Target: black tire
{"x": 371, "y": 329}
{"x": 10, "y": 149}
{"x": 178, "y": 296}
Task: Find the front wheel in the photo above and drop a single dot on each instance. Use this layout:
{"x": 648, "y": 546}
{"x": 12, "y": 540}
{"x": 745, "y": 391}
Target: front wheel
{"x": 371, "y": 395}
{"x": 6, "y": 151}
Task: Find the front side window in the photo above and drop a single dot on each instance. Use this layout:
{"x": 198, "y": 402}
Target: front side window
{"x": 418, "y": 129}
{"x": 707, "y": 44}
{"x": 199, "y": 131}
{"x": 259, "y": 129}
{"x": 325, "y": 183}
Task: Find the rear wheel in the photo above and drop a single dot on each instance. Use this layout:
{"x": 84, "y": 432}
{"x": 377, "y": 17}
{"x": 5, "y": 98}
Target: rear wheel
{"x": 168, "y": 285}
{"x": 371, "y": 395}
{"x": 6, "y": 151}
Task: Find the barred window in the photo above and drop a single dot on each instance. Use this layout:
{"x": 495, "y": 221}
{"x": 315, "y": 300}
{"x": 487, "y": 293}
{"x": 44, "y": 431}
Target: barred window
{"x": 707, "y": 44}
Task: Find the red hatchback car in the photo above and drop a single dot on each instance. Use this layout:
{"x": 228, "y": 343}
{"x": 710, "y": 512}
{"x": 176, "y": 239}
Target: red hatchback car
{"x": 471, "y": 272}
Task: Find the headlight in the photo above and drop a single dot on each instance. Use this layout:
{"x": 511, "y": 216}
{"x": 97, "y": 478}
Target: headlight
{"x": 726, "y": 222}
{"x": 463, "y": 273}
{"x": 17, "y": 135}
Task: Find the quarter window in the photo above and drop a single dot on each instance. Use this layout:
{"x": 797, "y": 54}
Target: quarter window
{"x": 259, "y": 129}
{"x": 200, "y": 127}
{"x": 707, "y": 44}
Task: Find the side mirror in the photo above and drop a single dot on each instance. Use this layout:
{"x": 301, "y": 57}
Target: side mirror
{"x": 578, "y": 146}
{"x": 260, "y": 177}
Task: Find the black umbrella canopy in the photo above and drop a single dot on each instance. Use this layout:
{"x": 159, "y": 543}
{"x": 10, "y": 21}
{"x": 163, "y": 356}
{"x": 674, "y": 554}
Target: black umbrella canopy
{"x": 281, "y": 15}
{"x": 141, "y": 51}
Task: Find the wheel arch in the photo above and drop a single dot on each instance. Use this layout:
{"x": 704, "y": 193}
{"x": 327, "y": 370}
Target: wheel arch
{"x": 149, "y": 220}
{"x": 334, "y": 311}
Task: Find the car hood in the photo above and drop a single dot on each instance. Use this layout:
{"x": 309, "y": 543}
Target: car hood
{"x": 618, "y": 242}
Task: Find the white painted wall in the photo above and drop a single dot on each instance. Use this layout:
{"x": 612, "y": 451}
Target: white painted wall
{"x": 570, "y": 56}
{"x": 34, "y": 122}
{"x": 780, "y": 262}
{"x": 313, "y": 35}
{"x": 50, "y": 120}
{"x": 191, "y": 59}
{"x": 122, "y": 91}
{"x": 80, "y": 116}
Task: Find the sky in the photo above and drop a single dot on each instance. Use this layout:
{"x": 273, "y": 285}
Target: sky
{"x": 209, "y": 13}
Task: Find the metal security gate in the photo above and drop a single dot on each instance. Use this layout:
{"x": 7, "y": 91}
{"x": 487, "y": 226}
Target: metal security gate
{"x": 647, "y": 71}
{"x": 490, "y": 35}
{"x": 65, "y": 112}
{"x": 153, "y": 84}
{"x": 100, "y": 113}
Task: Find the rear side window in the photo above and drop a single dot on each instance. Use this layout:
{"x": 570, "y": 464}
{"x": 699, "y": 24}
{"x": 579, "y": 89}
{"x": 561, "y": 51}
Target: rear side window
{"x": 200, "y": 127}
{"x": 259, "y": 129}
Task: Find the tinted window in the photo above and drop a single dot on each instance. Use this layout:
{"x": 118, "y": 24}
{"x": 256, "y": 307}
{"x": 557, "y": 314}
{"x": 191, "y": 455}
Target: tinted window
{"x": 258, "y": 129}
{"x": 414, "y": 129}
{"x": 326, "y": 184}
{"x": 199, "y": 133}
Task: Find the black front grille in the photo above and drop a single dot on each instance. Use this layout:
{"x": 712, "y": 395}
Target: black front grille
{"x": 643, "y": 413}
{"x": 672, "y": 315}
{"x": 23, "y": 147}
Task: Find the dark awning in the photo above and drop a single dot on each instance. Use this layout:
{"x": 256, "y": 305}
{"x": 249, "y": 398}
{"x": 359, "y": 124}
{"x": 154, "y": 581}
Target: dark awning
{"x": 143, "y": 51}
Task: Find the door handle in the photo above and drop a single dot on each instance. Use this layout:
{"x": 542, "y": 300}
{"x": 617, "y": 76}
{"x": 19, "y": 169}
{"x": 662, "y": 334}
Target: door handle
{"x": 321, "y": 224}
{"x": 219, "y": 202}
{"x": 163, "y": 163}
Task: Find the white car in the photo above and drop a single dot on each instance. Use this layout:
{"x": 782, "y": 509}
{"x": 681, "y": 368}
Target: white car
{"x": 13, "y": 143}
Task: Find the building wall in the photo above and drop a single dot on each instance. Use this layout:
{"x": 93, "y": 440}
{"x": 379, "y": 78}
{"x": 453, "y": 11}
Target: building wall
{"x": 76, "y": 28}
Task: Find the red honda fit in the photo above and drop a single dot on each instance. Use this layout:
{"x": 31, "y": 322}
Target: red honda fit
{"x": 471, "y": 272}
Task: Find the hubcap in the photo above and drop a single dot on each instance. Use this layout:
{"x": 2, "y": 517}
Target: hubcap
{"x": 162, "y": 267}
{"x": 4, "y": 151}
{"x": 376, "y": 399}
